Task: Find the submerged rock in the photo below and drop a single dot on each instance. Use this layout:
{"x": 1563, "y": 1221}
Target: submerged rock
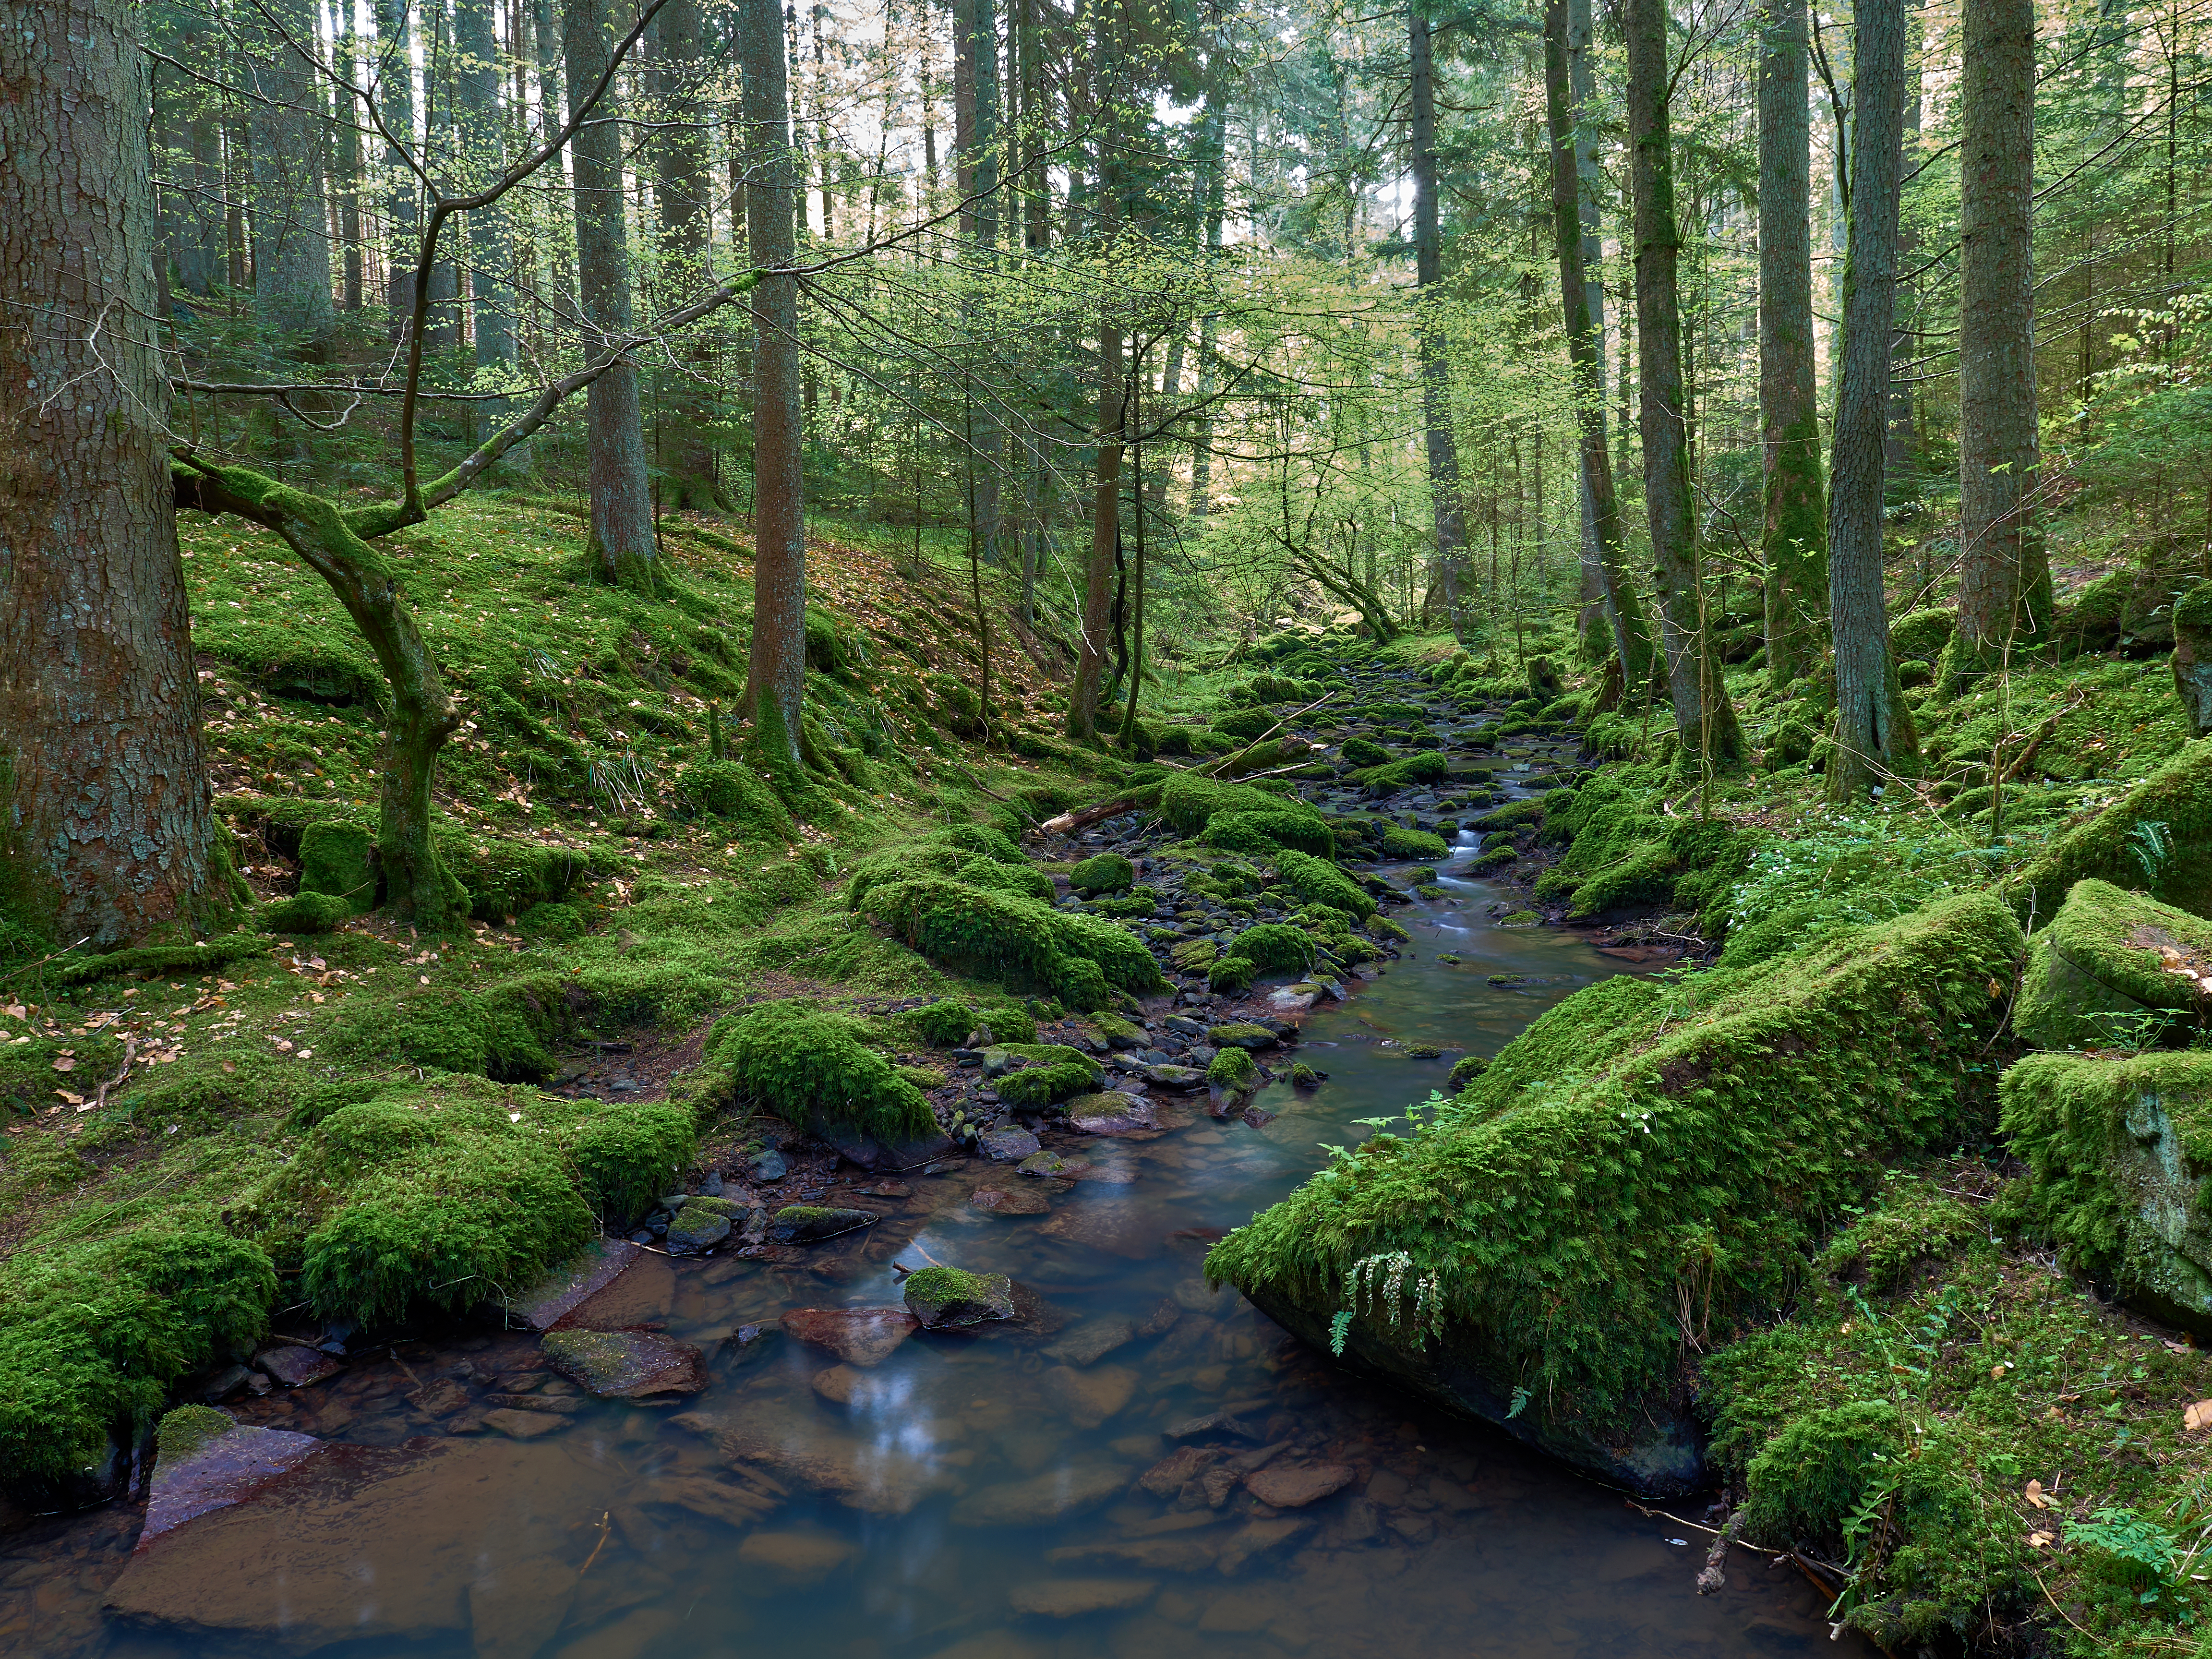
{"x": 206, "y": 1462}
{"x": 858, "y": 1336}
{"x": 625, "y": 1364}
{"x": 697, "y": 1228}
{"x": 809, "y": 1224}
{"x": 944, "y": 1298}
{"x": 295, "y": 1367}
{"x": 1007, "y": 1144}
{"x": 1025, "y": 1200}
{"x": 1294, "y": 1485}
{"x": 1078, "y": 1598}
{"x": 1054, "y": 1496}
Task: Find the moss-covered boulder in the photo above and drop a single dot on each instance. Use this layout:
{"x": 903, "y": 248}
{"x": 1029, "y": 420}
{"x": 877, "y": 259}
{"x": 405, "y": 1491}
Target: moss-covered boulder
{"x": 1102, "y": 872}
{"x": 812, "y": 1067}
{"x": 1229, "y": 975}
{"x": 1275, "y": 947}
{"x": 1526, "y": 1258}
{"x": 339, "y": 859}
{"x": 2121, "y": 1151}
{"x": 1318, "y": 881}
{"x": 1398, "y": 842}
{"x": 1233, "y": 1071}
{"x": 947, "y": 1299}
{"x": 1187, "y": 802}
{"x": 949, "y": 851}
{"x": 1051, "y": 1071}
{"x": 2114, "y": 969}
{"x": 506, "y": 1031}
{"x": 1263, "y": 834}
{"x": 2157, "y": 836}
{"x": 305, "y": 913}
{"x": 1364, "y": 751}
{"x": 1018, "y": 940}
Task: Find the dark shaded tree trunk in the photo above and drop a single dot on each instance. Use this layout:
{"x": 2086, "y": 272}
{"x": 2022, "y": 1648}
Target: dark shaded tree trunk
{"x": 1623, "y": 610}
{"x": 1435, "y": 370}
{"x": 106, "y": 830}
{"x": 1213, "y": 157}
{"x": 291, "y": 215}
{"x": 482, "y": 134}
{"x": 2004, "y": 573}
{"x": 347, "y": 132}
{"x": 1105, "y": 538}
{"x": 680, "y": 181}
{"x": 779, "y": 641}
{"x": 395, "y": 82}
{"x": 1705, "y": 720}
{"x": 1794, "y": 539}
{"x": 1874, "y": 738}
{"x": 622, "y": 542}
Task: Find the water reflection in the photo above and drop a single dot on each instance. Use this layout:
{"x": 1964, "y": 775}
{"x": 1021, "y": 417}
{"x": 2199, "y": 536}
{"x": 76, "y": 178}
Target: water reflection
{"x": 1087, "y": 1481}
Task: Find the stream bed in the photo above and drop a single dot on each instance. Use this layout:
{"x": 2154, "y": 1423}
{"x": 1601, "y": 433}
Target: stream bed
{"x": 1127, "y": 1474}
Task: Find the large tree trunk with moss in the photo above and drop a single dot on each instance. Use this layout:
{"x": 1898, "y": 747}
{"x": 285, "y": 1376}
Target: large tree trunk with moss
{"x": 1874, "y": 738}
{"x": 779, "y": 641}
{"x": 621, "y": 541}
{"x": 2004, "y": 573}
{"x": 1705, "y": 720}
{"x": 682, "y": 183}
{"x": 291, "y": 221}
{"x": 106, "y": 825}
{"x": 1442, "y": 442}
{"x": 1623, "y": 610}
{"x": 1795, "y": 539}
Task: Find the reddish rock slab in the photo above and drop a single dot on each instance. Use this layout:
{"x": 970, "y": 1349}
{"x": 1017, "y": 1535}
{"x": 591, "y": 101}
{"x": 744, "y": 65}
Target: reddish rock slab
{"x": 230, "y": 1468}
{"x": 625, "y": 1364}
{"x": 1177, "y": 1469}
{"x": 1009, "y": 1201}
{"x": 517, "y": 1424}
{"x": 858, "y": 1336}
{"x": 641, "y": 1294}
{"x": 557, "y": 1295}
{"x": 1294, "y": 1485}
{"x": 294, "y": 1367}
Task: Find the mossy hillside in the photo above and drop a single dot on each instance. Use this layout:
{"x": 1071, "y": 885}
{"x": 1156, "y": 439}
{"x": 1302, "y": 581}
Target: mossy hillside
{"x": 2156, "y": 835}
{"x": 815, "y": 1069}
{"x": 1704, "y": 1132}
{"x": 2113, "y": 969}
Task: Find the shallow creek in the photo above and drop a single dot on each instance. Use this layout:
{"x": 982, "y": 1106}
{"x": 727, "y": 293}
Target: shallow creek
{"x": 976, "y": 1497}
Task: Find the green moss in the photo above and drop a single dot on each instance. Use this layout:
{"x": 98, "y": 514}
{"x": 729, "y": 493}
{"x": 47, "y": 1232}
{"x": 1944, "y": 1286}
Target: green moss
{"x": 1426, "y": 767}
{"x": 559, "y": 922}
{"x": 1187, "y": 802}
{"x": 1319, "y": 883}
{"x": 2157, "y": 836}
{"x": 1638, "y": 1132}
{"x": 1233, "y": 1070}
{"x": 1018, "y": 940}
{"x": 1916, "y": 1224}
{"x": 304, "y": 913}
{"x": 506, "y": 1031}
{"x": 1262, "y": 834}
{"x": 972, "y": 853}
{"x": 1363, "y": 751}
{"x": 812, "y": 1067}
{"x": 203, "y": 957}
{"x": 733, "y": 791}
{"x": 339, "y": 859}
{"x": 2098, "y": 975}
{"x": 1229, "y": 975}
{"x": 941, "y": 1024}
{"x": 1103, "y": 872}
{"x": 189, "y": 1430}
{"x": 1401, "y": 843}
{"x": 1274, "y": 947}
{"x": 940, "y": 1296}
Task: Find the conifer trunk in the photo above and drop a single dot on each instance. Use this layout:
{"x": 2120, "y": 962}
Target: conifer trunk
{"x": 483, "y": 136}
{"x": 1874, "y": 738}
{"x": 1793, "y": 540}
{"x": 291, "y": 215}
{"x": 402, "y": 206}
{"x": 1441, "y": 443}
{"x": 107, "y": 829}
{"x": 681, "y": 182}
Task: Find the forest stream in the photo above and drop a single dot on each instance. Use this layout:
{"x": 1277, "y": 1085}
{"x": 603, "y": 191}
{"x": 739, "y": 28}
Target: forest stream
{"x": 1039, "y": 1488}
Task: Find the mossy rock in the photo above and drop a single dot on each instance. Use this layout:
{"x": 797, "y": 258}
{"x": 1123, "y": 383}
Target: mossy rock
{"x": 945, "y": 1024}
{"x": 2158, "y": 835}
{"x": 304, "y": 913}
{"x": 1054, "y": 1072}
{"x": 1195, "y": 955}
{"x": 1382, "y": 928}
{"x": 1102, "y": 872}
{"x": 1275, "y": 947}
{"x": 189, "y": 1430}
{"x": 339, "y": 859}
{"x": 2100, "y": 976}
{"x": 1263, "y": 834}
{"x": 2120, "y": 1150}
{"x": 1364, "y": 751}
{"x": 1920, "y": 636}
{"x": 1428, "y": 766}
{"x": 1728, "y": 1116}
{"x": 1079, "y": 959}
{"x": 557, "y": 923}
{"x": 1231, "y": 975}
{"x": 1317, "y": 882}
{"x": 1400, "y": 843}
{"x": 813, "y": 1068}
{"x": 1520, "y": 919}
{"x": 1233, "y": 1071}
{"x": 506, "y": 1031}
{"x": 951, "y": 852}
{"x": 1241, "y": 1034}
{"x": 947, "y": 1299}
{"x": 1187, "y": 802}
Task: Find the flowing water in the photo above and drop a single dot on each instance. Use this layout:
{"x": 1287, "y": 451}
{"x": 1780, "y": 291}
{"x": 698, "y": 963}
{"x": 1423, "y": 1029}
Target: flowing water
{"x": 973, "y": 1496}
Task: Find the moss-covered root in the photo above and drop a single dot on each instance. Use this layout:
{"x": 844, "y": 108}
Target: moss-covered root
{"x": 1640, "y": 1142}
{"x": 2157, "y": 836}
{"x": 2114, "y": 969}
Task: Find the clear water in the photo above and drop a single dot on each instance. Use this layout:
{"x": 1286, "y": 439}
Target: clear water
{"x": 1452, "y": 1538}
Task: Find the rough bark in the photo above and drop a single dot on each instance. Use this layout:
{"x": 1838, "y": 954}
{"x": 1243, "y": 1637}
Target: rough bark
{"x": 622, "y": 540}
{"x": 1436, "y": 372}
{"x": 1213, "y": 145}
{"x": 1705, "y": 720}
{"x": 1794, "y": 538}
{"x": 1623, "y": 610}
{"x": 395, "y": 89}
{"x": 682, "y": 179}
{"x": 483, "y": 136}
{"x": 1874, "y": 738}
{"x": 106, "y": 825}
{"x": 1105, "y": 538}
{"x": 291, "y": 216}
{"x": 348, "y": 131}
{"x": 2004, "y": 573}
{"x": 778, "y": 663}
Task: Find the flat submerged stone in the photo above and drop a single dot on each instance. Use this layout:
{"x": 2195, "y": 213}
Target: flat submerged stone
{"x": 858, "y": 1336}
{"x": 625, "y": 1364}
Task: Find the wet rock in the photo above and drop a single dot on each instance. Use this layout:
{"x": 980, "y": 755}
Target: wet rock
{"x": 1185, "y": 1024}
{"x": 716, "y": 1500}
{"x": 1119, "y": 1226}
{"x": 697, "y": 1228}
{"x": 1076, "y": 1598}
{"x": 1162, "y": 1319}
{"x": 362, "y": 1543}
{"x": 770, "y": 1165}
{"x": 836, "y": 1383}
{"x": 1244, "y": 1034}
{"x": 640, "y": 1290}
{"x": 872, "y": 1154}
{"x": 1044, "y": 1163}
{"x": 1091, "y": 1341}
{"x": 1110, "y": 1114}
{"x": 1008, "y": 1145}
{"x": 296, "y": 1367}
{"x": 944, "y": 1298}
{"x": 797, "y": 1558}
{"x": 858, "y": 1336}
{"x": 1178, "y": 1469}
{"x": 1055, "y": 1495}
{"x": 1214, "y": 1426}
{"x": 1294, "y": 1485}
{"x": 1358, "y": 1523}
{"x": 1148, "y": 1554}
{"x": 809, "y": 1224}
{"x": 440, "y": 1399}
{"x": 1003, "y": 1200}
{"x": 230, "y": 1380}
{"x": 1088, "y": 1398}
{"x": 1260, "y": 1538}
{"x": 517, "y": 1424}
{"x": 208, "y": 1463}
{"x": 1170, "y": 1076}
{"x": 625, "y": 1364}
{"x": 798, "y": 1447}
{"x": 750, "y": 1344}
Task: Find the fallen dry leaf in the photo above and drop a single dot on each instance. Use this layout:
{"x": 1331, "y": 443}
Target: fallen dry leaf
{"x": 16, "y": 1011}
{"x": 2195, "y": 1417}
{"x": 2034, "y": 1494}
{"x": 2041, "y": 1540}
{"x": 74, "y": 1100}
{"x": 65, "y": 1064}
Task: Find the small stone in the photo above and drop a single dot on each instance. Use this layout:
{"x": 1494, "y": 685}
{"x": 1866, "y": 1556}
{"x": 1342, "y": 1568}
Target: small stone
{"x": 1007, "y": 1144}
{"x": 1054, "y": 1495}
{"x": 1260, "y": 1539}
{"x": 1001, "y": 1200}
{"x": 809, "y": 1224}
{"x": 770, "y": 1165}
{"x": 1091, "y": 1341}
{"x": 1042, "y": 1164}
{"x": 625, "y": 1364}
{"x": 524, "y": 1426}
{"x": 1111, "y": 1115}
{"x": 1089, "y": 1398}
{"x": 697, "y": 1228}
{"x": 440, "y": 1399}
{"x": 1293, "y": 1486}
{"x": 295, "y": 1367}
{"x": 1076, "y": 1598}
{"x": 1175, "y": 1077}
{"x": 944, "y": 1298}
{"x": 836, "y": 1383}
{"x": 858, "y": 1336}
{"x": 1178, "y": 1469}
{"x": 795, "y": 1557}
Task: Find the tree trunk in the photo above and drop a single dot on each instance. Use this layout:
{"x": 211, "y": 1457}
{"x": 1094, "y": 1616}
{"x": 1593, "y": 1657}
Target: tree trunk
{"x": 1213, "y": 157}
{"x": 1623, "y": 610}
{"x": 680, "y": 181}
{"x": 1435, "y": 370}
{"x": 1105, "y": 537}
{"x": 1900, "y": 466}
{"x": 778, "y": 665}
{"x": 350, "y": 170}
{"x": 482, "y": 134}
{"x": 1874, "y": 738}
{"x": 105, "y": 826}
{"x": 989, "y": 441}
{"x": 1795, "y": 539}
{"x": 395, "y": 79}
{"x": 1705, "y": 720}
{"x": 2004, "y": 573}
{"x": 291, "y": 217}
{"x": 622, "y": 540}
